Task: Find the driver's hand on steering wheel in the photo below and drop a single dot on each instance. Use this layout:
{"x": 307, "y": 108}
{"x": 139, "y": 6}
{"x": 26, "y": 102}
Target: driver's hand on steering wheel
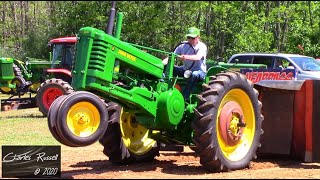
{"x": 181, "y": 57}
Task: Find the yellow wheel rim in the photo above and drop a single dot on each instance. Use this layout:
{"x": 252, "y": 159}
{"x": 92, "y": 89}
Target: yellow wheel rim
{"x": 35, "y": 86}
{"x": 6, "y": 89}
{"x": 83, "y": 119}
{"x": 135, "y": 136}
{"x": 235, "y": 152}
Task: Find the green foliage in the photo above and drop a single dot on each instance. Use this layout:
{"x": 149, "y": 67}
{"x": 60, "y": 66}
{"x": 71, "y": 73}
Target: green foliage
{"x": 252, "y": 37}
{"x": 227, "y": 27}
{"x": 35, "y": 45}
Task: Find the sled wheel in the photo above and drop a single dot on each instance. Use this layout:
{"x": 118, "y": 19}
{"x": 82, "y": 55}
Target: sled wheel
{"x": 49, "y": 91}
{"x": 126, "y": 141}
{"x": 228, "y": 122}
{"x": 20, "y": 84}
{"x": 81, "y": 119}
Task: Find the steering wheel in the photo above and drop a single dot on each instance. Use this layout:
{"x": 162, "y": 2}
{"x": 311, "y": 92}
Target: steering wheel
{"x": 189, "y": 50}
{"x": 186, "y": 50}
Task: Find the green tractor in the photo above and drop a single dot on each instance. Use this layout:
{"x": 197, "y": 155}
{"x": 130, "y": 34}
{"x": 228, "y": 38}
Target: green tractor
{"x": 18, "y": 80}
{"x": 9, "y": 80}
{"x": 16, "y": 84}
{"x": 7, "y": 74}
{"x": 128, "y": 101}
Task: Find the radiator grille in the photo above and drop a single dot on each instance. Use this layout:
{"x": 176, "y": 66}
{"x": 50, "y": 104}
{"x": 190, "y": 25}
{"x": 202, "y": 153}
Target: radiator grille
{"x": 98, "y": 55}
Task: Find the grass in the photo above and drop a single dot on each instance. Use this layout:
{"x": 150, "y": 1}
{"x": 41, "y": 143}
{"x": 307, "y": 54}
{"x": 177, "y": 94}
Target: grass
{"x": 24, "y": 127}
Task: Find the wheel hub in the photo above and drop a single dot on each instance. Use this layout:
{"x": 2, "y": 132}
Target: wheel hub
{"x": 82, "y": 118}
{"x": 231, "y": 123}
{"x": 50, "y": 95}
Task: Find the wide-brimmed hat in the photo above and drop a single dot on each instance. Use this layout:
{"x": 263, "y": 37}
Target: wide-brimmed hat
{"x": 193, "y": 32}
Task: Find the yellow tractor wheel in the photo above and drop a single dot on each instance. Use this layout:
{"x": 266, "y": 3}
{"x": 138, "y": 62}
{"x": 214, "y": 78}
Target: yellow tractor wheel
{"x": 81, "y": 119}
{"x": 125, "y": 140}
{"x": 228, "y": 123}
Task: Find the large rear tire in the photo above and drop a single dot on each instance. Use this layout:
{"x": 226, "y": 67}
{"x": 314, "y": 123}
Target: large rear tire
{"x": 50, "y": 90}
{"x": 228, "y": 122}
{"x": 125, "y": 141}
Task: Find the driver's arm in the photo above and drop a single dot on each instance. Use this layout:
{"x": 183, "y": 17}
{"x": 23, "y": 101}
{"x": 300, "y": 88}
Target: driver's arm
{"x": 196, "y": 57}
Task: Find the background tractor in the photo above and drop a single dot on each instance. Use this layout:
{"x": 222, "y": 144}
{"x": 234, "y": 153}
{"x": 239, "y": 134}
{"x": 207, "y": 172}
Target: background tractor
{"x": 11, "y": 81}
{"x": 57, "y": 78}
{"x": 27, "y": 73}
{"x": 7, "y": 73}
{"x": 48, "y": 79}
{"x": 128, "y": 101}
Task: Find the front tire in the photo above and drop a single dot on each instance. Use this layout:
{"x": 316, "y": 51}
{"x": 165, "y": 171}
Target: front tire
{"x": 50, "y": 90}
{"x": 228, "y": 122}
{"x": 126, "y": 141}
{"x": 81, "y": 119}
{"x": 52, "y": 118}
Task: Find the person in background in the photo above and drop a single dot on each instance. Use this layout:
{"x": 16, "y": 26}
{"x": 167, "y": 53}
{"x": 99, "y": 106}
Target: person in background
{"x": 193, "y": 53}
{"x": 279, "y": 64}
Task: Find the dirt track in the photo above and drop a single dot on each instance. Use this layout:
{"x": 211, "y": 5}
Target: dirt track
{"x": 90, "y": 162}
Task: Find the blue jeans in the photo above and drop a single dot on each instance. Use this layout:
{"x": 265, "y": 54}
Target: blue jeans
{"x": 195, "y": 77}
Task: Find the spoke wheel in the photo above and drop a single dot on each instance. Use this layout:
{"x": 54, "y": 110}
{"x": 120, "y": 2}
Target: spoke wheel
{"x": 126, "y": 141}
{"x": 135, "y": 136}
{"x": 20, "y": 83}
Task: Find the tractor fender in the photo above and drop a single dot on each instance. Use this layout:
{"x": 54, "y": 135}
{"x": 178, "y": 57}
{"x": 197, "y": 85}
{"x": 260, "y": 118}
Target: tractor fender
{"x": 213, "y": 70}
{"x": 64, "y": 71}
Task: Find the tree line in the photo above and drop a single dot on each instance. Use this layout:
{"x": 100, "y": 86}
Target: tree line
{"x": 227, "y": 27}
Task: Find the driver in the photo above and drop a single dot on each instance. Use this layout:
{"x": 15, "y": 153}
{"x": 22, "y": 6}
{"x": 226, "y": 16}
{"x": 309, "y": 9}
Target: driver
{"x": 193, "y": 53}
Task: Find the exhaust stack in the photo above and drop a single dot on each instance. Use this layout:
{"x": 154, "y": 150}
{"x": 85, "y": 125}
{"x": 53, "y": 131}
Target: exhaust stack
{"x": 112, "y": 13}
